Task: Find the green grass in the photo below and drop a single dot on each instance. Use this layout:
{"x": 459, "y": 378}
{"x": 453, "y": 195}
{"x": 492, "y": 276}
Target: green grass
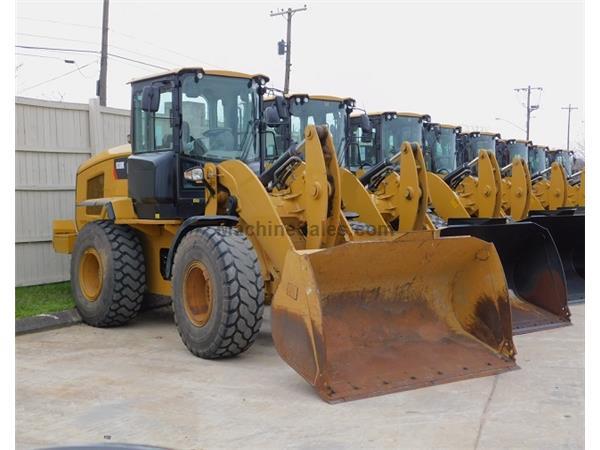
{"x": 42, "y": 299}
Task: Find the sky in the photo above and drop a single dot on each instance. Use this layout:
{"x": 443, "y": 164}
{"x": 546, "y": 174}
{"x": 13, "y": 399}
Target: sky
{"x": 457, "y": 61}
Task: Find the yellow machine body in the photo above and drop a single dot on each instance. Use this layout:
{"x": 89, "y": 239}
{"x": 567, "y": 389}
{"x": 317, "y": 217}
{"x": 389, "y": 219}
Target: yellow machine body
{"x": 536, "y": 282}
{"x": 482, "y": 195}
{"x": 552, "y": 192}
{"x": 399, "y": 199}
{"x": 355, "y": 318}
{"x": 517, "y": 191}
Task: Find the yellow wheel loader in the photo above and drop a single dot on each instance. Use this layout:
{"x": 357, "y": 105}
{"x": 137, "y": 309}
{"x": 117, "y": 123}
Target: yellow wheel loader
{"x": 531, "y": 262}
{"x": 549, "y": 189}
{"x": 397, "y": 202}
{"x": 553, "y": 183}
{"x": 517, "y": 196}
{"x": 191, "y": 212}
{"x": 558, "y": 190}
{"x": 562, "y": 228}
{"x": 536, "y": 280}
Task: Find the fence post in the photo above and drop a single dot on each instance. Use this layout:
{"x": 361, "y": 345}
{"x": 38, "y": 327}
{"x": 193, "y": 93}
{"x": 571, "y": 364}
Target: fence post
{"x": 96, "y": 131}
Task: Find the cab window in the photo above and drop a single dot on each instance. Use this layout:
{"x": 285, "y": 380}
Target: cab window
{"x": 153, "y": 130}
{"x": 362, "y": 149}
{"x": 218, "y": 118}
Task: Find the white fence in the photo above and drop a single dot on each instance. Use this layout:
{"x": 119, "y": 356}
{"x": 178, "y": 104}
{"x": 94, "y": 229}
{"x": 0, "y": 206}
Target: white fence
{"x": 52, "y": 140}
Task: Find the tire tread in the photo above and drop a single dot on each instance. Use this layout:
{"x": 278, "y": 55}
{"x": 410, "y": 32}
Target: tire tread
{"x": 129, "y": 274}
{"x": 244, "y": 286}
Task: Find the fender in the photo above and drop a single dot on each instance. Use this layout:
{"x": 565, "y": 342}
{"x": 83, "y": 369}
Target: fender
{"x": 188, "y": 225}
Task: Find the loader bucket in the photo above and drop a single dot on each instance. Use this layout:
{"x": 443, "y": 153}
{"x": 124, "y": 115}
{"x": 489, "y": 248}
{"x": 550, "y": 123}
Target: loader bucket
{"x": 368, "y": 318}
{"x": 532, "y": 266}
{"x": 568, "y": 231}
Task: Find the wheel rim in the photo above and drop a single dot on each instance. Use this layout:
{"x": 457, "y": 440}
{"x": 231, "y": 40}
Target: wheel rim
{"x": 197, "y": 294}
{"x": 90, "y": 274}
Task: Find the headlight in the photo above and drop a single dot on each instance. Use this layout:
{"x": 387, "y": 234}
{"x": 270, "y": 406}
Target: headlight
{"x": 195, "y": 175}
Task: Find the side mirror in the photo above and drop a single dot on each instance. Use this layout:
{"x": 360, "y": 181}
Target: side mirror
{"x": 272, "y": 117}
{"x": 365, "y": 124}
{"x": 282, "y": 109}
{"x": 150, "y": 99}
{"x": 366, "y": 129}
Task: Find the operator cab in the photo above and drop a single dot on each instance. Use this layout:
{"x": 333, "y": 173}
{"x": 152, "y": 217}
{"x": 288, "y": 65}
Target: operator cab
{"x": 563, "y": 157}
{"x": 439, "y": 147}
{"x": 388, "y": 131}
{"x": 181, "y": 120}
{"x": 506, "y": 150}
{"x": 287, "y": 116}
{"x": 537, "y": 159}
{"x": 469, "y": 145}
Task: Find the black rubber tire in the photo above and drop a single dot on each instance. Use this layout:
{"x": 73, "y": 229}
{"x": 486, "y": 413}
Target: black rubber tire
{"x": 124, "y": 274}
{"x": 237, "y": 286}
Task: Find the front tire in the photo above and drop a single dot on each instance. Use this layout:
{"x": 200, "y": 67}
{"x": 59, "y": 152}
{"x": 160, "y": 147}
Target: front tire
{"x": 108, "y": 274}
{"x": 218, "y": 292}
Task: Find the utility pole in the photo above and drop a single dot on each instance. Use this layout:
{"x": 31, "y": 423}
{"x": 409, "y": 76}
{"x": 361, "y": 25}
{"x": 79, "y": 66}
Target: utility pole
{"x": 101, "y": 88}
{"x": 530, "y": 107}
{"x": 569, "y": 108}
{"x": 288, "y": 43}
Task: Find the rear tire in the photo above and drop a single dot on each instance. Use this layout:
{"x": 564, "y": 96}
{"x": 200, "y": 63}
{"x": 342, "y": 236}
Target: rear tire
{"x": 108, "y": 275}
{"x": 218, "y": 292}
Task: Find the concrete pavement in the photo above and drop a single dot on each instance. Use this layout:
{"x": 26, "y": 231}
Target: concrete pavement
{"x": 139, "y": 384}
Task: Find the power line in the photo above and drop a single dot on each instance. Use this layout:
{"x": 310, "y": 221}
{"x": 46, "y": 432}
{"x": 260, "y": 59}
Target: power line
{"x": 55, "y": 49}
{"x": 138, "y": 61}
{"x": 68, "y": 61}
{"x": 79, "y": 68}
{"x": 56, "y": 38}
{"x": 166, "y": 49}
{"x": 96, "y": 52}
{"x": 131, "y": 65}
{"x": 58, "y": 22}
{"x": 129, "y": 36}
{"x": 57, "y": 77}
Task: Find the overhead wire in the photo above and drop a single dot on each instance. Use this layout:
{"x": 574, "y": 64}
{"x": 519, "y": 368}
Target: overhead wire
{"x": 129, "y": 36}
{"x": 41, "y": 56}
{"x": 57, "y": 77}
{"x": 44, "y": 36}
{"x": 131, "y": 65}
{"x": 73, "y": 50}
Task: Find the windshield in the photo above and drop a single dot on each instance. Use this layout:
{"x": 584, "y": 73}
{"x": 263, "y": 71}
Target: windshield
{"x": 517, "y": 149}
{"x": 395, "y": 131}
{"x": 218, "y": 118}
{"x": 481, "y": 142}
{"x": 440, "y": 150}
{"x": 537, "y": 160}
{"x": 564, "y": 159}
{"x": 363, "y": 152}
{"x": 319, "y": 112}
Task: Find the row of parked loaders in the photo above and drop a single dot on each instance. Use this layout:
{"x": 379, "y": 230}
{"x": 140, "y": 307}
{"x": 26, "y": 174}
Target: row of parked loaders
{"x": 387, "y": 266}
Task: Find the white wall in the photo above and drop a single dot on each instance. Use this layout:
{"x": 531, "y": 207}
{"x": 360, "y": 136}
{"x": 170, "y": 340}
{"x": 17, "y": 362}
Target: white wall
{"x": 52, "y": 140}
